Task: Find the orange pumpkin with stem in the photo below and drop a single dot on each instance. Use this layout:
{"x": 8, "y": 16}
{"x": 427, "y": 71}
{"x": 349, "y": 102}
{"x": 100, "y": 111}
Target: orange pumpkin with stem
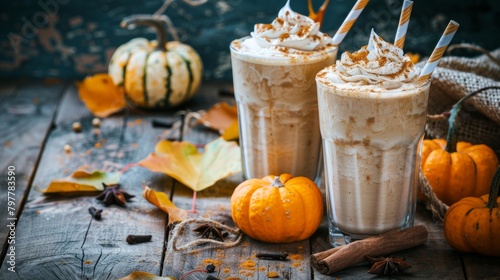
{"x": 473, "y": 224}
{"x": 277, "y": 209}
{"x": 457, "y": 169}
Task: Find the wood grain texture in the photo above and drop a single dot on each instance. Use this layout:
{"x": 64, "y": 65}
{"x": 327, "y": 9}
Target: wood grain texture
{"x": 435, "y": 259}
{"x": 26, "y": 114}
{"x": 481, "y": 267}
{"x": 69, "y": 243}
{"x": 56, "y": 238}
{"x": 214, "y": 203}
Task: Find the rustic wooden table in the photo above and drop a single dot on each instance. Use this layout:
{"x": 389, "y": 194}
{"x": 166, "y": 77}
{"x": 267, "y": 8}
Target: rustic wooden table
{"x": 56, "y": 238}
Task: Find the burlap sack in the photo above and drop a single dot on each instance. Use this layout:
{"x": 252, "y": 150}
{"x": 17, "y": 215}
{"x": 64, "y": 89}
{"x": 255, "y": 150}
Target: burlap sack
{"x": 478, "y": 121}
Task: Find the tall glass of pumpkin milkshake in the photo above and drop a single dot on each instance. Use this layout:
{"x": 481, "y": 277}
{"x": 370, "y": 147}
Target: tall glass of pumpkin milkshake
{"x": 372, "y": 116}
{"x": 274, "y": 84}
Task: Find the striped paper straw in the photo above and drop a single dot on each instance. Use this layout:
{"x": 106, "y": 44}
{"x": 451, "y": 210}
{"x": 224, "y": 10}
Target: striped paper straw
{"x": 349, "y": 21}
{"x": 438, "y": 52}
{"x": 404, "y": 19}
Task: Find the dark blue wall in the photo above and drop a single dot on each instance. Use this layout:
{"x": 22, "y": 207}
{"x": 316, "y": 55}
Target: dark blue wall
{"x": 82, "y": 35}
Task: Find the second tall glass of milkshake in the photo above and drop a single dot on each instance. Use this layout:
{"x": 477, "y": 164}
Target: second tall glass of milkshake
{"x": 274, "y": 84}
{"x": 372, "y": 116}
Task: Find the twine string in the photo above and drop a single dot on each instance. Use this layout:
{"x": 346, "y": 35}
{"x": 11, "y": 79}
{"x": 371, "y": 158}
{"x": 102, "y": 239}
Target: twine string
{"x": 182, "y": 226}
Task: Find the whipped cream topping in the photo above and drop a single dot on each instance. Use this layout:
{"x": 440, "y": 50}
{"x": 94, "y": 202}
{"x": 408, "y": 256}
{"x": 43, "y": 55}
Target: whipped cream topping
{"x": 380, "y": 63}
{"x": 290, "y": 30}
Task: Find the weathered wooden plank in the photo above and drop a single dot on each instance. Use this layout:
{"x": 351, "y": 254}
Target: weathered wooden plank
{"x": 481, "y": 267}
{"x": 26, "y": 115}
{"x": 7, "y": 88}
{"x": 72, "y": 108}
{"x": 214, "y": 203}
{"x": 239, "y": 261}
{"x": 435, "y": 259}
{"x": 70, "y": 245}
{"x": 88, "y": 248}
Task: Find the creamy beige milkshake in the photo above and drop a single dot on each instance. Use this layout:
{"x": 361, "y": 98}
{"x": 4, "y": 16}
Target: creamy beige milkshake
{"x": 274, "y": 83}
{"x": 372, "y": 117}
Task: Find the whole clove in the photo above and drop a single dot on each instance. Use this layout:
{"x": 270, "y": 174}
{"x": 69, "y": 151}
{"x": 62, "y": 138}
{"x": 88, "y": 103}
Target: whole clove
{"x": 96, "y": 213}
{"x": 135, "y": 239}
{"x": 160, "y": 124}
{"x": 270, "y": 256}
{"x": 210, "y": 268}
{"x": 210, "y": 277}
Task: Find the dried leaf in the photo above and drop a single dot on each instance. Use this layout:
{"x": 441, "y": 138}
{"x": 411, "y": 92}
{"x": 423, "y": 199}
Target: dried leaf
{"x": 101, "y": 96}
{"x": 182, "y": 161}
{"x": 82, "y": 181}
{"x": 219, "y": 117}
{"x": 320, "y": 14}
{"x": 161, "y": 200}
{"x": 414, "y": 57}
{"x": 232, "y": 132}
{"x": 141, "y": 275}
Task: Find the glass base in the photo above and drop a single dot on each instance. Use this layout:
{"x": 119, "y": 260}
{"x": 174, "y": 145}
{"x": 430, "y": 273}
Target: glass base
{"x": 338, "y": 238}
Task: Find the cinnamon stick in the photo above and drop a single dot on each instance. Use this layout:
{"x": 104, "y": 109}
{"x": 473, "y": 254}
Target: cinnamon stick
{"x": 341, "y": 257}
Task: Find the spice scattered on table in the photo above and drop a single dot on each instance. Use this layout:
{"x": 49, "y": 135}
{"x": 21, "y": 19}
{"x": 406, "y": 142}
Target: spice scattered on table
{"x": 272, "y": 274}
{"x": 77, "y": 127}
{"x": 113, "y": 195}
{"x": 211, "y": 262}
{"x": 210, "y": 268}
{"x": 67, "y": 148}
{"x": 96, "y": 213}
{"x": 135, "y": 239}
{"x": 209, "y": 231}
{"x": 272, "y": 256}
{"x": 387, "y": 266}
{"x": 96, "y": 122}
{"x": 248, "y": 264}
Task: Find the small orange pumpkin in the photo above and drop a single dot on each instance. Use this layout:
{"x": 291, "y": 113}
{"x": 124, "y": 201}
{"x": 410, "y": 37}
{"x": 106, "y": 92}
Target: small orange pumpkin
{"x": 457, "y": 169}
{"x": 455, "y": 175}
{"x": 473, "y": 224}
{"x": 277, "y": 209}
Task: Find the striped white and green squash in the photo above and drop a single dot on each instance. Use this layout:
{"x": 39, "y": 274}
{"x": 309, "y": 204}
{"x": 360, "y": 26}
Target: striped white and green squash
{"x": 156, "y": 74}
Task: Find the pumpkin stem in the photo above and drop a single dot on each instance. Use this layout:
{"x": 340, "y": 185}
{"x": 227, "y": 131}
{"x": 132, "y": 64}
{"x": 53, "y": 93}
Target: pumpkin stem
{"x": 494, "y": 190}
{"x": 147, "y": 20}
{"x": 451, "y": 138}
{"x": 277, "y": 182}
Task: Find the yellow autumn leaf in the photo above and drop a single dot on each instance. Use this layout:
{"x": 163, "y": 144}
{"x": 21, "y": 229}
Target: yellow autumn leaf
{"x": 232, "y": 132}
{"x": 100, "y": 95}
{"x": 141, "y": 275}
{"x": 82, "y": 181}
{"x": 198, "y": 171}
{"x": 161, "y": 200}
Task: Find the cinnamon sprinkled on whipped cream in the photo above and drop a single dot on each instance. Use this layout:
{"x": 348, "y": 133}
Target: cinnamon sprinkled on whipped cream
{"x": 289, "y": 34}
{"x": 380, "y": 64}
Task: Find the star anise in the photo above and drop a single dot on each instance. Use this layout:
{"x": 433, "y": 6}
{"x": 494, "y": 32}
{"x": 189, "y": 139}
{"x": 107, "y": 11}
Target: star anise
{"x": 387, "y": 266}
{"x": 113, "y": 195}
{"x": 210, "y": 232}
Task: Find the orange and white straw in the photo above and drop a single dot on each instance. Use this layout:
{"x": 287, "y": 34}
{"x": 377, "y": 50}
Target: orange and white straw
{"x": 349, "y": 21}
{"x": 404, "y": 19}
{"x": 438, "y": 52}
